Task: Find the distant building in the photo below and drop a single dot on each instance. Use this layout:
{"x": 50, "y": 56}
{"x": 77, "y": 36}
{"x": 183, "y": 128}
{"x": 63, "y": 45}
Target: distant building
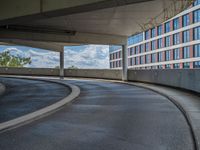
{"x": 173, "y": 44}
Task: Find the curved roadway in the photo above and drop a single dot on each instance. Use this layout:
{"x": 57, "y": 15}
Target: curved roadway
{"x": 106, "y": 116}
{"x": 23, "y": 96}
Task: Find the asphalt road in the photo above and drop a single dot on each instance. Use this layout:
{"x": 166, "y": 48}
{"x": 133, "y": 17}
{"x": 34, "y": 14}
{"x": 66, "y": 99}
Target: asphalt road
{"x": 106, "y": 116}
{"x": 26, "y": 96}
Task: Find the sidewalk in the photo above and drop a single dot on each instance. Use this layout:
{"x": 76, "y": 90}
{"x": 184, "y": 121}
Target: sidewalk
{"x": 188, "y": 103}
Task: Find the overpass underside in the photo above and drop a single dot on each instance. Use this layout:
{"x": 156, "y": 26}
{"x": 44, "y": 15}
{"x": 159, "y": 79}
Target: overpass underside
{"x": 52, "y": 25}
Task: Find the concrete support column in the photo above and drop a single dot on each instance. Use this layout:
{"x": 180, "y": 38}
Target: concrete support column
{"x": 124, "y": 62}
{"x": 62, "y": 64}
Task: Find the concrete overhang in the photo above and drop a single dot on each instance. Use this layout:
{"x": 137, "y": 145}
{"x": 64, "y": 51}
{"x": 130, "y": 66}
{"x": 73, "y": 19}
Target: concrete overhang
{"x": 52, "y": 46}
{"x": 83, "y": 21}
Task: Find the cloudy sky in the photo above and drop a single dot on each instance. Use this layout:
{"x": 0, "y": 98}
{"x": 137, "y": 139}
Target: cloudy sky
{"x": 86, "y": 56}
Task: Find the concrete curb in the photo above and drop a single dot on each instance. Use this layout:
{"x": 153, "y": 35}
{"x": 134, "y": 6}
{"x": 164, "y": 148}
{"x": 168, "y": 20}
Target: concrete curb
{"x": 42, "y": 112}
{"x": 2, "y": 89}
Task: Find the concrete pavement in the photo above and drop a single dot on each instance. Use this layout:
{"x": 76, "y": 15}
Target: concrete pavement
{"x": 188, "y": 102}
{"x": 25, "y": 96}
{"x": 2, "y": 89}
{"x": 106, "y": 116}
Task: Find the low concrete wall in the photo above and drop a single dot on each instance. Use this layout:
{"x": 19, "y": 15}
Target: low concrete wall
{"x": 89, "y": 73}
{"x": 181, "y": 78}
{"x": 94, "y": 73}
{"x": 29, "y": 71}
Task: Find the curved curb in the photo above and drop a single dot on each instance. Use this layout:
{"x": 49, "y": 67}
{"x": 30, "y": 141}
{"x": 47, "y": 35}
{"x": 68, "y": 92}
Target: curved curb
{"x": 14, "y": 123}
{"x": 2, "y": 89}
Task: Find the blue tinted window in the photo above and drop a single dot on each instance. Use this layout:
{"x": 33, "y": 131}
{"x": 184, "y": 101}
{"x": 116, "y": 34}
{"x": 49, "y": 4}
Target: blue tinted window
{"x": 148, "y": 58}
{"x": 137, "y": 50}
{"x": 186, "y": 20}
{"x": 147, "y": 35}
{"x": 133, "y": 61}
{"x": 197, "y": 64}
{"x": 167, "y": 41}
{"x": 197, "y": 33}
{"x": 113, "y": 48}
{"x": 135, "y": 39}
{"x": 168, "y": 66}
{"x": 176, "y": 66}
{"x": 186, "y": 52}
{"x": 167, "y": 27}
{"x": 141, "y": 48}
{"x": 197, "y": 50}
{"x": 159, "y": 56}
{"x": 176, "y": 38}
{"x": 160, "y": 43}
{"x": 153, "y": 32}
{"x": 197, "y": 2}
{"x": 153, "y": 45}
{"x": 147, "y": 47}
{"x": 176, "y": 53}
{"x": 176, "y": 23}
{"x": 186, "y": 36}
{"x": 153, "y": 56}
{"x": 186, "y": 65}
{"x": 131, "y": 51}
{"x": 196, "y": 16}
{"x": 167, "y": 55}
{"x": 159, "y": 30}
{"x": 137, "y": 60}
{"x": 141, "y": 59}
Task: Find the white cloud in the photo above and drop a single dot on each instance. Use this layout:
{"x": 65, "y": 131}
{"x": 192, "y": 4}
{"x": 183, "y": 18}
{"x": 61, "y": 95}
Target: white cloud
{"x": 91, "y": 56}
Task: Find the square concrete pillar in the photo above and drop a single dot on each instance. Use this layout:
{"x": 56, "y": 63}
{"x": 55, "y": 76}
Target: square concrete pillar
{"x": 124, "y": 62}
{"x": 62, "y": 64}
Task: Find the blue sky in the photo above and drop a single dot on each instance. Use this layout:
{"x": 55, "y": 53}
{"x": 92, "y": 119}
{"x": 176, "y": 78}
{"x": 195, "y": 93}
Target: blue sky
{"x": 84, "y": 56}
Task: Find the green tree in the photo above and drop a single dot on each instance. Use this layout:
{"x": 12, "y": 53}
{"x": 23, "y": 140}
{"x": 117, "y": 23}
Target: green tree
{"x": 9, "y": 60}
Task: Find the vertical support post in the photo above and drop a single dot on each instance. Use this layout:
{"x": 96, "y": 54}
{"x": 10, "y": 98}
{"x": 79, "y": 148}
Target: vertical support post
{"x": 62, "y": 64}
{"x": 124, "y": 63}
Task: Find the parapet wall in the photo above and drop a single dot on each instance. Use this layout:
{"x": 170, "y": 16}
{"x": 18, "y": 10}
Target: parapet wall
{"x": 182, "y": 78}
{"x": 94, "y": 73}
{"x": 84, "y": 73}
{"x": 29, "y": 71}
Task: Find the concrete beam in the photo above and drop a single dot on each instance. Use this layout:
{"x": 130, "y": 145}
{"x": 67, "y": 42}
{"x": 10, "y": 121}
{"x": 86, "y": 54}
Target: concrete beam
{"x": 35, "y": 44}
{"x": 13, "y": 12}
{"x": 80, "y": 38}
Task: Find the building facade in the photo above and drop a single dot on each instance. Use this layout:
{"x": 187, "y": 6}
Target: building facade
{"x": 174, "y": 44}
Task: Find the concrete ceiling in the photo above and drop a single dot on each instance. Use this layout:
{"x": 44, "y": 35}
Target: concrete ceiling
{"x": 97, "y": 22}
{"x": 123, "y": 20}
